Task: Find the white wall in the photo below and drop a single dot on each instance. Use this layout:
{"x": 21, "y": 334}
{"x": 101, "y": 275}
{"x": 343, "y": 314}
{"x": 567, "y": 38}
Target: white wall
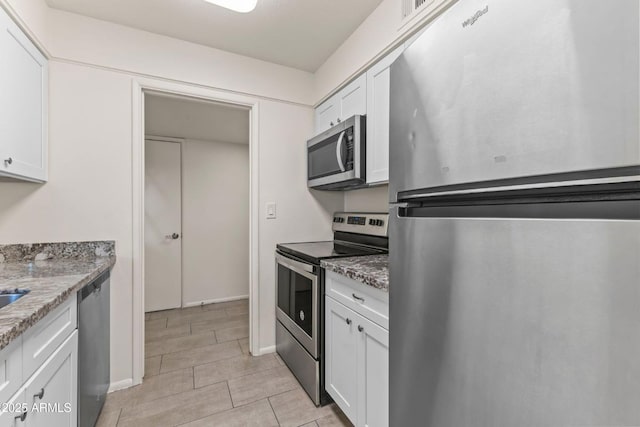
{"x": 377, "y": 35}
{"x": 89, "y": 193}
{"x": 215, "y": 221}
{"x": 374, "y": 199}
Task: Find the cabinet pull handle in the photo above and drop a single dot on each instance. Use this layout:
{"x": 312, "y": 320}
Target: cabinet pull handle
{"x": 8, "y": 161}
{"x": 39, "y": 395}
{"x": 22, "y": 416}
{"x": 331, "y": 124}
{"x": 360, "y": 328}
{"x": 348, "y": 321}
{"x": 356, "y": 297}
{"x": 339, "y": 120}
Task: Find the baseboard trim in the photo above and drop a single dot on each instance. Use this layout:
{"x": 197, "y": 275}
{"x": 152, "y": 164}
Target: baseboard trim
{"x": 266, "y": 350}
{"x": 216, "y": 300}
{"x": 119, "y": 385}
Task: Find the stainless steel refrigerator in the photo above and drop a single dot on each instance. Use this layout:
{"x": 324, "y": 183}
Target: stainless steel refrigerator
{"x": 515, "y": 230}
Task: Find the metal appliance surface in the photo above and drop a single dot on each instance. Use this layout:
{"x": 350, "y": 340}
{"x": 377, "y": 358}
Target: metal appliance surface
{"x": 300, "y": 293}
{"x": 336, "y": 157}
{"x": 515, "y": 240}
{"x": 93, "y": 349}
{"x": 496, "y": 90}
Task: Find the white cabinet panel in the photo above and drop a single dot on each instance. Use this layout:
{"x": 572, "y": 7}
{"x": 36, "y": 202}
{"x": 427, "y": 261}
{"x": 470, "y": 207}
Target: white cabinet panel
{"x": 340, "y": 357}
{"x": 16, "y": 409}
{"x": 23, "y": 105}
{"x": 353, "y": 98}
{"x": 10, "y": 369}
{"x": 378, "y": 86}
{"x": 373, "y": 374}
{"x": 42, "y": 339}
{"x": 369, "y": 302}
{"x": 327, "y": 114}
{"x": 53, "y": 388}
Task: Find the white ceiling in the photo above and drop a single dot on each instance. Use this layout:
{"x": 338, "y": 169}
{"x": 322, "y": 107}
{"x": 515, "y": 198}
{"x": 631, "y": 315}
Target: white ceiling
{"x": 297, "y": 33}
{"x": 195, "y": 119}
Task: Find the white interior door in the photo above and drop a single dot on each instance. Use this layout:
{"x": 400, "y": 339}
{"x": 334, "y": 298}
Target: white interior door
{"x": 162, "y": 226}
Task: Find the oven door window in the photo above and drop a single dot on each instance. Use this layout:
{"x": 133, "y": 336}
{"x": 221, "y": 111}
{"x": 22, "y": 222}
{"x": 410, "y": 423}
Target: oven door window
{"x": 295, "y": 298}
{"x": 325, "y": 157}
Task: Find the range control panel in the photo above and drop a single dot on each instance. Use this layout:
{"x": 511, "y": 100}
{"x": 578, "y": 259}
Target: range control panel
{"x": 374, "y": 224}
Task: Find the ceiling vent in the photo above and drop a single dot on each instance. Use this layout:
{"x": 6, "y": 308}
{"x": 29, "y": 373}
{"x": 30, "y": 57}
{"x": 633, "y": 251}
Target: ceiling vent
{"x": 413, "y": 8}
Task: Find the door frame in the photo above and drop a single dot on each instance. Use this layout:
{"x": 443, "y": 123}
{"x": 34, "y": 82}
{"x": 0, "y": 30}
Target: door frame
{"x": 140, "y": 86}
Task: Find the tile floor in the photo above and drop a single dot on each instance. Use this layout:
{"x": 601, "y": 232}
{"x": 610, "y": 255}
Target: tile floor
{"x": 198, "y": 372}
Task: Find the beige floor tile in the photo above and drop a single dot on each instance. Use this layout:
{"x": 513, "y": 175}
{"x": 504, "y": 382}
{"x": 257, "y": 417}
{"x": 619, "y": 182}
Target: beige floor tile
{"x": 235, "y": 367}
{"x": 230, "y": 334}
{"x": 280, "y": 359}
{"x": 263, "y": 384}
{"x": 244, "y": 344}
{"x": 155, "y": 324}
{"x": 240, "y": 309}
{"x": 179, "y": 408}
{"x": 228, "y": 304}
{"x": 257, "y": 414}
{"x": 295, "y": 408}
{"x": 171, "y": 345}
{"x": 311, "y": 424}
{"x": 176, "y": 312}
{"x": 151, "y": 366}
{"x": 200, "y": 316}
{"x": 176, "y": 331}
{"x": 108, "y": 418}
{"x": 216, "y": 324}
{"x": 152, "y": 388}
{"x": 335, "y": 419}
{"x": 199, "y": 356}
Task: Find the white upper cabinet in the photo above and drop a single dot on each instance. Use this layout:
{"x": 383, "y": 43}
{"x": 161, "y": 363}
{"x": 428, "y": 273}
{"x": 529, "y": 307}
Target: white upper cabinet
{"x": 353, "y": 98}
{"x": 378, "y": 85}
{"x": 349, "y": 101}
{"x": 23, "y": 105}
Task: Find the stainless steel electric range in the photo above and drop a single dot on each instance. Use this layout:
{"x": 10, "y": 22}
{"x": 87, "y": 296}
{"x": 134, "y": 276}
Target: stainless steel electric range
{"x": 300, "y": 293}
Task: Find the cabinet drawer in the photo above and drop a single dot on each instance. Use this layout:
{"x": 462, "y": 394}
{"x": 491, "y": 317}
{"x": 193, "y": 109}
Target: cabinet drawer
{"x": 369, "y": 302}
{"x": 41, "y": 340}
{"x": 16, "y": 406}
{"x": 10, "y": 369}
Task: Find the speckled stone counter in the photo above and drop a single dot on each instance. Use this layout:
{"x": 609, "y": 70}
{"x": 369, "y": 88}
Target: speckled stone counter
{"x": 51, "y": 272}
{"x": 371, "y": 270}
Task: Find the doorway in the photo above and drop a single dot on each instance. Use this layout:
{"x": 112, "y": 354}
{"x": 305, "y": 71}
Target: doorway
{"x": 176, "y": 171}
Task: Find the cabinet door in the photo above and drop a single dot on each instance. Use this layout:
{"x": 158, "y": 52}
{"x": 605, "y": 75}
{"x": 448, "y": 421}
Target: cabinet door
{"x": 340, "y": 356}
{"x": 373, "y": 374}
{"x": 327, "y": 114}
{"x": 353, "y": 98}
{"x": 16, "y": 407}
{"x": 53, "y": 389}
{"x": 23, "y": 104}
{"x": 378, "y": 80}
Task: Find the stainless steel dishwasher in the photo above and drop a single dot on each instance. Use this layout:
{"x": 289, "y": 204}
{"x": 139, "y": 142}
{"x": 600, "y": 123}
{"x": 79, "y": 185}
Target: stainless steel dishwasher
{"x": 93, "y": 349}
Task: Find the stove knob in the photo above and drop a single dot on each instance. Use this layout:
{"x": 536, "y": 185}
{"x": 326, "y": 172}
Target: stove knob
{"x": 373, "y": 222}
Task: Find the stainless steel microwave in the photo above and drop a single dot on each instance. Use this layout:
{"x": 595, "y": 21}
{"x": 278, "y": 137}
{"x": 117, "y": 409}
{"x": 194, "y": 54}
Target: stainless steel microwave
{"x": 336, "y": 157}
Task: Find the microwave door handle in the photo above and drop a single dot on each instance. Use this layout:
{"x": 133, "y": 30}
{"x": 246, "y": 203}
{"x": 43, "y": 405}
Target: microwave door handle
{"x": 339, "y": 152}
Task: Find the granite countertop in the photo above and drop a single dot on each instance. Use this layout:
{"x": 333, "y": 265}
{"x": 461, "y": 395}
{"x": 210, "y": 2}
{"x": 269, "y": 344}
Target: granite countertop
{"x": 51, "y": 273}
{"x": 372, "y": 270}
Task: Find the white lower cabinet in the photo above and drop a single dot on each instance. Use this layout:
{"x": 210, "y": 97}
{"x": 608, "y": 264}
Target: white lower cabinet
{"x": 40, "y": 368}
{"x": 341, "y": 357}
{"x": 357, "y": 365}
{"x": 52, "y": 391}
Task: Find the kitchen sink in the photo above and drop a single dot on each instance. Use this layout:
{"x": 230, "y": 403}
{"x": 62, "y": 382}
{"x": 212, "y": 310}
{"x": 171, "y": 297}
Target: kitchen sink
{"x": 7, "y": 297}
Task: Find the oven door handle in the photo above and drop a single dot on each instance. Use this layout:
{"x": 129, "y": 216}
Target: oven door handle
{"x": 339, "y": 152}
{"x": 294, "y": 265}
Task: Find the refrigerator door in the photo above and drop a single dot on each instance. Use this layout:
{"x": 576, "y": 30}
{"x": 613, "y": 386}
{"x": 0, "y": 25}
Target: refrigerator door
{"x": 501, "y": 89}
{"x": 514, "y": 322}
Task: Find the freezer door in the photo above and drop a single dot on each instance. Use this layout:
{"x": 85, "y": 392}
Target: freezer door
{"x": 499, "y": 89}
{"x": 514, "y": 322}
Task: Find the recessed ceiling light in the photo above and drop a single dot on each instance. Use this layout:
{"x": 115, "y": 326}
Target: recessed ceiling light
{"x": 242, "y": 6}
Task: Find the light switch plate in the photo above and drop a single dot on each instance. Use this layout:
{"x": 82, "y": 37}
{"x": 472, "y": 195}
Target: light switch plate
{"x": 271, "y": 210}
